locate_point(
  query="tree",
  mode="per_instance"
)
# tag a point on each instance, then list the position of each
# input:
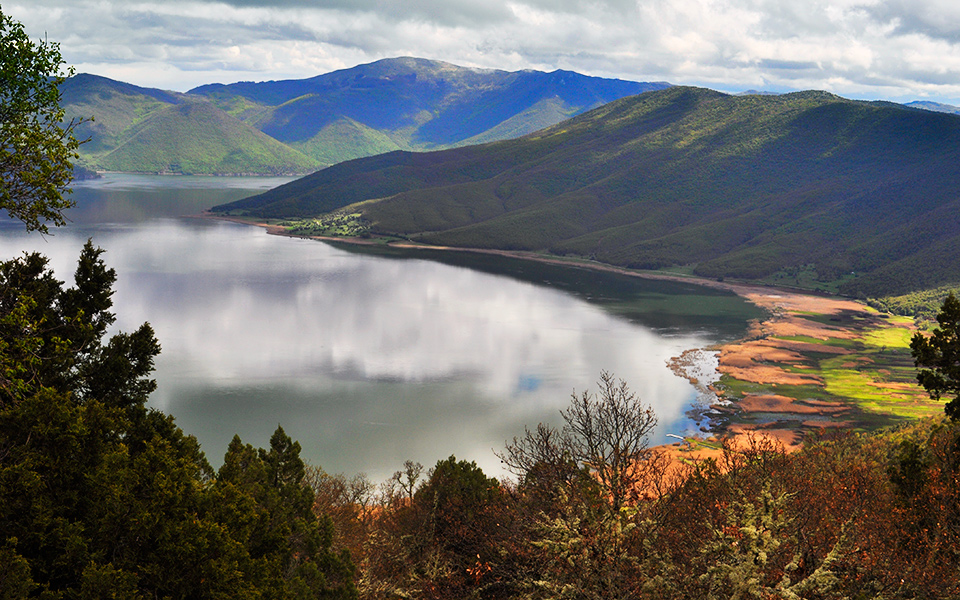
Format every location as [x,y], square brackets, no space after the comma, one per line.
[407,478]
[100,493]
[605,434]
[36,148]
[582,485]
[265,503]
[939,357]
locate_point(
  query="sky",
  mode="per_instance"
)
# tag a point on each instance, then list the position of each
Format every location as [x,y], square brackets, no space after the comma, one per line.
[897,50]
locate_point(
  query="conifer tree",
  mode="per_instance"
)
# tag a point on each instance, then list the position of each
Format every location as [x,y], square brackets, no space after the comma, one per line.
[939,357]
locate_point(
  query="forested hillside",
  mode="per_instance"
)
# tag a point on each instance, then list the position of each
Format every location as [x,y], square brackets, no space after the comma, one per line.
[859,195]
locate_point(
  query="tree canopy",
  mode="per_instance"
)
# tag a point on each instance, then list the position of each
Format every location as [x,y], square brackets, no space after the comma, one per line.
[101,494]
[36,147]
[938,357]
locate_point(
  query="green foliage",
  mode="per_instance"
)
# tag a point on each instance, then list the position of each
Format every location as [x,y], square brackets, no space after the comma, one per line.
[338,224]
[743,544]
[262,497]
[101,496]
[36,149]
[587,553]
[923,304]
[939,357]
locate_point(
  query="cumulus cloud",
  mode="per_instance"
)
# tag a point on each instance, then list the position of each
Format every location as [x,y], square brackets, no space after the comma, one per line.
[896,49]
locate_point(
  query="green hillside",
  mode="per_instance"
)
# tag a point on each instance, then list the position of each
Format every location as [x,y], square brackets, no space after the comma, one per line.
[146,130]
[346,139]
[115,107]
[860,197]
[392,104]
[198,138]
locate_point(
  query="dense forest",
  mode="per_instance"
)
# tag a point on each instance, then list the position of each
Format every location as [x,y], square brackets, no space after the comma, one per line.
[104,497]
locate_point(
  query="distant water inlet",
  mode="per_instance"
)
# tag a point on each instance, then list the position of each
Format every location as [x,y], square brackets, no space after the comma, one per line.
[368,359]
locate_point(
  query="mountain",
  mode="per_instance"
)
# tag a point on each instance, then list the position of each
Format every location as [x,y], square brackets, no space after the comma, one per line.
[934,106]
[861,195]
[146,130]
[413,104]
[297,126]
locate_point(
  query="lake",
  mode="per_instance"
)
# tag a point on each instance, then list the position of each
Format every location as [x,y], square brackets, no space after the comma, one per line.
[370,357]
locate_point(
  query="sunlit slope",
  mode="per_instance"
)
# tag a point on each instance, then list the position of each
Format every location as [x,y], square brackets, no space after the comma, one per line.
[147,130]
[198,138]
[115,108]
[864,195]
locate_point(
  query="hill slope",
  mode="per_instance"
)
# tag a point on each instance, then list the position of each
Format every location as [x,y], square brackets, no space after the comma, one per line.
[415,104]
[863,194]
[147,130]
[198,138]
[392,104]
[934,106]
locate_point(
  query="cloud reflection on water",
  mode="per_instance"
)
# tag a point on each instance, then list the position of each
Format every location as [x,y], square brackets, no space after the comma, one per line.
[366,361]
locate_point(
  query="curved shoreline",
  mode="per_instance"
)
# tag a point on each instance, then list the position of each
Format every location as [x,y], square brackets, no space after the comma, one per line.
[745,359]
[741,289]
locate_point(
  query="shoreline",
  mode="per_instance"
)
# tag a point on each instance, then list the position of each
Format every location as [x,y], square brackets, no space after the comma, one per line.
[758,357]
[741,289]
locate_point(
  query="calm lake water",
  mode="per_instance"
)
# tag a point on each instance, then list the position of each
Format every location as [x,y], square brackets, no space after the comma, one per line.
[370,358]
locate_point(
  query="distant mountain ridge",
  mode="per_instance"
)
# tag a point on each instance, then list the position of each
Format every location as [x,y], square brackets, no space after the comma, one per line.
[297,126]
[934,106]
[862,195]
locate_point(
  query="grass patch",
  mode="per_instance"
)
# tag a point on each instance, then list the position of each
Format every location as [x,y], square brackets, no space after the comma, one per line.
[873,396]
[835,342]
[888,337]
[875,378]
